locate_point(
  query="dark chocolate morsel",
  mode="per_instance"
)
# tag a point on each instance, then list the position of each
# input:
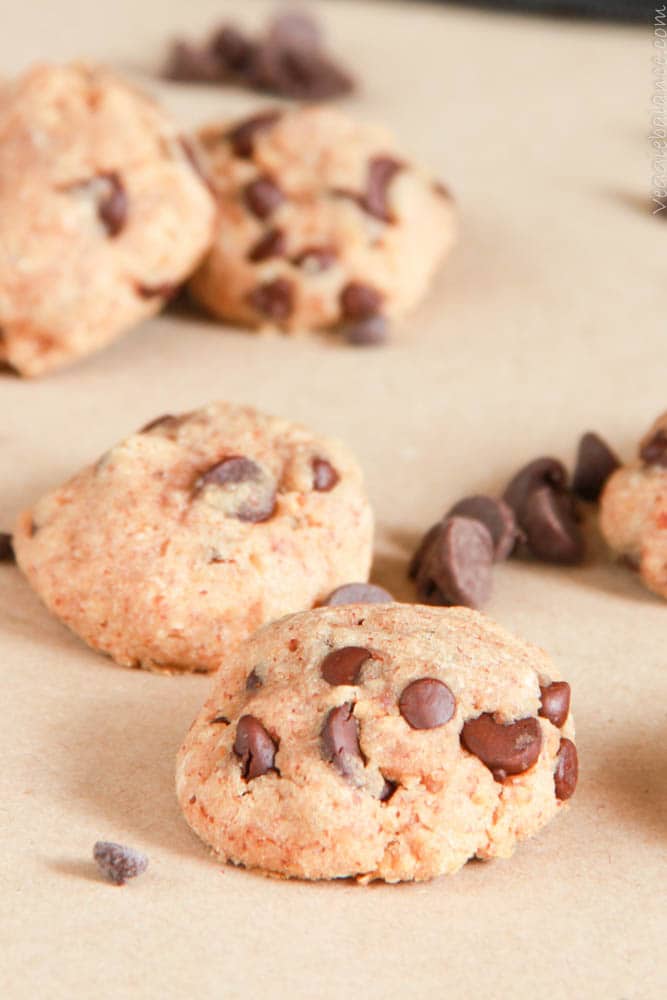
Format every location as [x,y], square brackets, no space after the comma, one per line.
[358,593]
[254,746]
[272,244]
[6,547]
[370,332]
[504,749]
[555,700]
[243,135]
[252,490]
[495,515]
[540,472]
[263,196]
[654,450]
[422,549]
[253,681]
[113,206]
[567,770]
[427,703]
[343,666]
[381,172]
[340,738]
[325,476]
[359,301]
[595,463]
[550,529]
[273,299]
[456,568]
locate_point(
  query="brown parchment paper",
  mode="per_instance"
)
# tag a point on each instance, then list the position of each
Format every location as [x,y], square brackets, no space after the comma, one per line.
[549,320]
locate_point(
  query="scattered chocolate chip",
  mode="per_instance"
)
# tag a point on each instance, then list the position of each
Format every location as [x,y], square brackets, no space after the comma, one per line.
[567,770]
[233,50]
[248,490]
[157,422]
[388,790]
[166,290]
[190,63]
[495,515]
[325,476]
[253,681]
[118,862]
[316,258]
[343,666]
[263,196]
[505,749]
[551,532]
[274,299]
[242,136]
[381,172]
[358,593]
[654,451]
[220,720]
[555,702]
[422,549]
[112,208]
[370,332]
[595,463]
[6,547]
[359,301]
[427,703]
[540,472]
[340,738]
[299,72]
[272,244]
[254,746]
[456,569]
[294,29]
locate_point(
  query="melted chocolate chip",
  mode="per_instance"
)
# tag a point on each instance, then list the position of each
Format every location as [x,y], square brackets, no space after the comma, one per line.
[369,332]
[340,738]
[272,244]
[255,747]
[253,681]
[654,451]
[551,531]
[112,208]
[456,566]
[359,301]
[243,135]
[595,463]
[427,703]
[358,593]
[263,196]
[343,666]
[567,770]
[505,749]
[316,258]
[555,702]
[6,547]
[273,299]
[325,476]
[247,491]
[495,515]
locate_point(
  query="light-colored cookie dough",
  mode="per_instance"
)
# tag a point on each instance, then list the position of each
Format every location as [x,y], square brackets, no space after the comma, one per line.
[321,222]
[189,535]
[102,214]
[323,765]
[633,510]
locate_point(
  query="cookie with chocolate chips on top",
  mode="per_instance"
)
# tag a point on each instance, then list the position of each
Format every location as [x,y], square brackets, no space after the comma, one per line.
[190,534]
[633,510]
[378,741]
[102,214]
[321,224]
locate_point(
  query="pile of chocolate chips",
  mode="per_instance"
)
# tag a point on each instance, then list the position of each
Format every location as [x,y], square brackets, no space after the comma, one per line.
[288,59]
[537,516]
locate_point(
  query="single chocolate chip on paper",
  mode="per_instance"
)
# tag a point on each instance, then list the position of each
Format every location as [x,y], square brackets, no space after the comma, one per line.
[595,463]
[118,862]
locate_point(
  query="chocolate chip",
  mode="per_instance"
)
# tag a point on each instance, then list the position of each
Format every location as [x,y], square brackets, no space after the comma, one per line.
[314,259]
[495,515]
[555,702]
[272,244]
[241,488]
[242,136]
[456,568]
[274,299]
[540,472]
[381,172]
[654,451]
[369,332]
[263,196]
[295,29]
[255,747]
[388,790]
[567,770]
[166,418]
[340,738]
[6,547]
[299,72]
[220,720]
[112,208]
[191,63]
[233,50]
[343,666]
[359,301]
[595,463]
[427,703]
[422,549]
[253,681]
[358,593]
[551,532]
[325,476]
[118,862]
[505,749]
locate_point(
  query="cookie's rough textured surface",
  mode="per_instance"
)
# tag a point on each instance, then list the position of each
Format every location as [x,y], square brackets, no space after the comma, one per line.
[633,509]
[381,777]
[101,213]
[320,222]
[186,537]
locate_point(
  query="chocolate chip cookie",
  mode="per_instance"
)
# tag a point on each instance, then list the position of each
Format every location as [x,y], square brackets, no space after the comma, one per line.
[633,509]
[321,223]
[102,214]
[380,741]
[188,535]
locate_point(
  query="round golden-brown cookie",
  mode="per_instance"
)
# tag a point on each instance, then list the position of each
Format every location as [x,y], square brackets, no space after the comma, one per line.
[321,222]
[633,509]
[188,535]
[102,214]
[386,742]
